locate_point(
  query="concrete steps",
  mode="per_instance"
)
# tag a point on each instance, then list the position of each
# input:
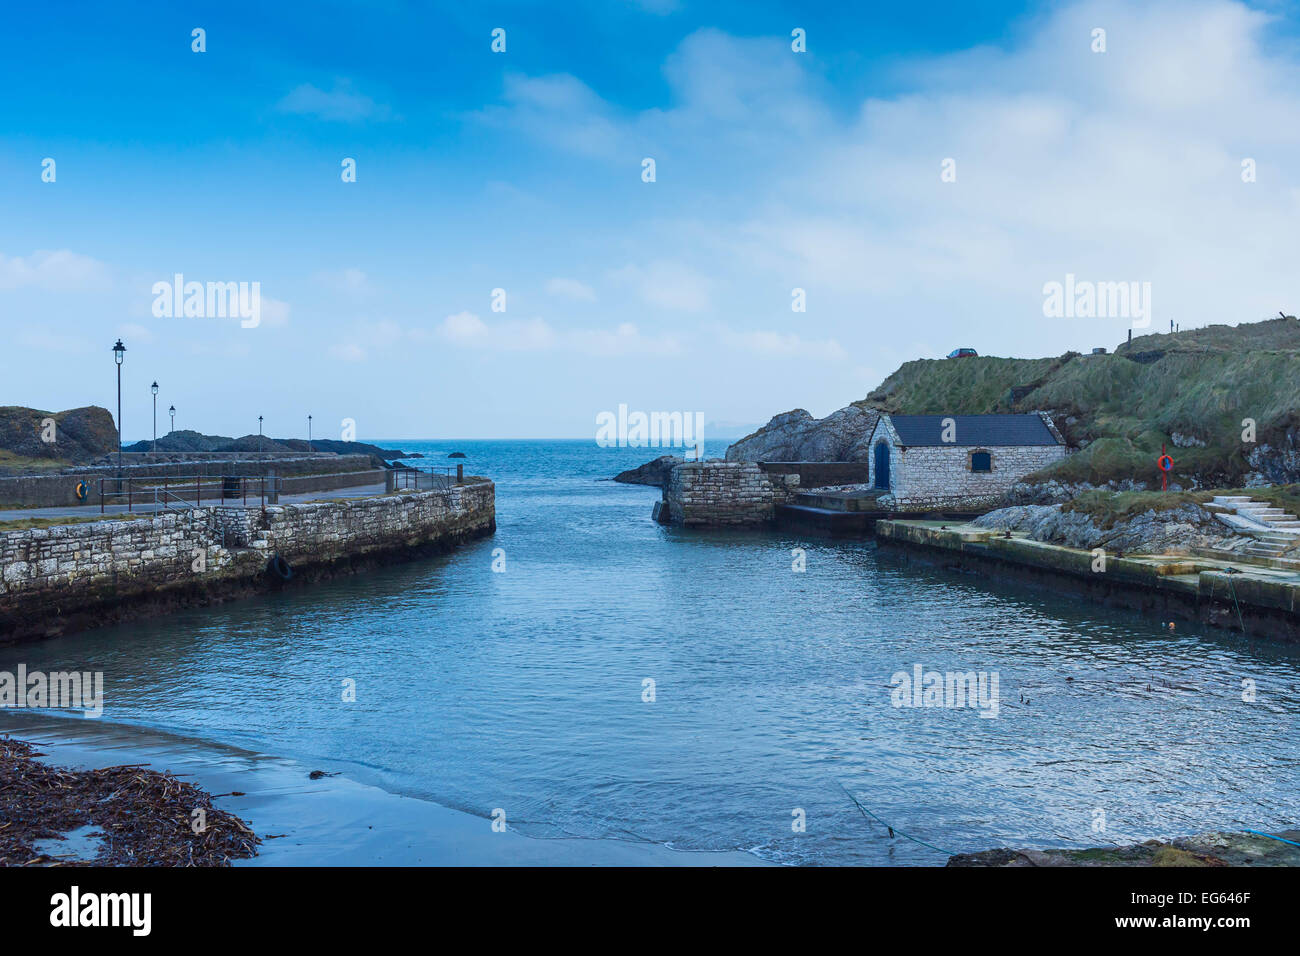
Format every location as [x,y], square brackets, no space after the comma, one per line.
[1276,529]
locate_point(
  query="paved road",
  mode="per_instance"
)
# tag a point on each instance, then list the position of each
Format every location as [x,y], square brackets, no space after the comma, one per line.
[91,510]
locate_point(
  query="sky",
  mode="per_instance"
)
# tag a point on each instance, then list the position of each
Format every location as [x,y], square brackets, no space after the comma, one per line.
[915,176]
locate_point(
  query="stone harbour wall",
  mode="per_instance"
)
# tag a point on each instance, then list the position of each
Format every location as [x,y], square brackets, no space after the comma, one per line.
[59,490]
[60,579]
[714,493]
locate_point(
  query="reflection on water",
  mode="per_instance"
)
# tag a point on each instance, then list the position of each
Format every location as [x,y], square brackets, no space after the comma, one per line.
[524,689]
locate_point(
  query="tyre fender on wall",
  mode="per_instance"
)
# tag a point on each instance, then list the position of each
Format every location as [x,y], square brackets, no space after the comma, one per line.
[278,567]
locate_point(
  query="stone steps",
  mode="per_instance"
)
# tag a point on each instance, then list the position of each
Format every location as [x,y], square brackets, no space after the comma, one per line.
[1281,525]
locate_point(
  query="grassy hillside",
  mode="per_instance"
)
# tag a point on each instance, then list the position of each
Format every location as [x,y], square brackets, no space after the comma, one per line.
[1122,408]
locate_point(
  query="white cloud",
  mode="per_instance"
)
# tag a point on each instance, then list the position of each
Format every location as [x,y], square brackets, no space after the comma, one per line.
[344,280]
[1118,166]
[668,285]
[626,339]
[133,332]
[348,352]
[339,104]
[783,344]
[275,312]
[531,335]
[507,335]
[571,289]
[57,270]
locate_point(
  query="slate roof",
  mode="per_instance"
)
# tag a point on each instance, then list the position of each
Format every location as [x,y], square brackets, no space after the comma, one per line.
[1030,429]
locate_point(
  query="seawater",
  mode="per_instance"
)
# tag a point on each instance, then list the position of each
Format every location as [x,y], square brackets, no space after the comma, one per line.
[526,689]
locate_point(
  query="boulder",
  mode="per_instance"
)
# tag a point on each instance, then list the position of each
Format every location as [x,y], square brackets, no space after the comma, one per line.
[797,436]
[81,434]
[651,473]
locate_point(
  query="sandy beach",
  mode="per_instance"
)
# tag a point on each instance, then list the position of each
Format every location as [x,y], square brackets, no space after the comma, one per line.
[331,821]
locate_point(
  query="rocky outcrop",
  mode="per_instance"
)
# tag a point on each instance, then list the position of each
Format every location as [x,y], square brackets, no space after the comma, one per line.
[651,473]
[1053,492]
[78,435]
[184,440]
[1173,530]
[1276,463]
[1205,849]
[797,436]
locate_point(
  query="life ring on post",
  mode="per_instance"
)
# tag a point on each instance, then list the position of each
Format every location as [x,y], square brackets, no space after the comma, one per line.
[82,491]
[279,567]
[1165,463]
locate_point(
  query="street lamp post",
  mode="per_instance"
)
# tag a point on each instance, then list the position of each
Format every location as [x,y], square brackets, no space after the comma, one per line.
[172,412]
[154,388]
[119,352]
[309,448]
[261,445]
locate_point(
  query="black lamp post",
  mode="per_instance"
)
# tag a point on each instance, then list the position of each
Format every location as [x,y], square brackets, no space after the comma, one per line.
[154,388]
[172,411]
[309,448]
[119,352]
[261,445]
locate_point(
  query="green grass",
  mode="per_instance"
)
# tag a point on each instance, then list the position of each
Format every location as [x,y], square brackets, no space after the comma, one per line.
[1203,384]
[11,464]
[20,524]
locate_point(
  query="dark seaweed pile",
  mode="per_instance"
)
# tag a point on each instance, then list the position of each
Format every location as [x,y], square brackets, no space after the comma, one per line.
[145,815]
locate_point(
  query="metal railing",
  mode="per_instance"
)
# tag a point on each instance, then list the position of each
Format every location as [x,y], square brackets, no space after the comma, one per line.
[424,477]
[170,493]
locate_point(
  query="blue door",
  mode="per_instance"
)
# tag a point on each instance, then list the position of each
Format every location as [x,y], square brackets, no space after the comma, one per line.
[882,466]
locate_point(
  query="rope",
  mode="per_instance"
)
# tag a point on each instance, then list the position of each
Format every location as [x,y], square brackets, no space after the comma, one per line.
[1232,588]
[891,830]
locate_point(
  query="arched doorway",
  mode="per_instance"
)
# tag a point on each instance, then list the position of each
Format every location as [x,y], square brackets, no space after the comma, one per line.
[882,465]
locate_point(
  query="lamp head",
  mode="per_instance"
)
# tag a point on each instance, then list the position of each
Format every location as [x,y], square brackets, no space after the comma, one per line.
[119,350]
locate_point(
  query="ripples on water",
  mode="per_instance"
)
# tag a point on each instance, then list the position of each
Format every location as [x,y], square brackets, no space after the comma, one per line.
[523,690]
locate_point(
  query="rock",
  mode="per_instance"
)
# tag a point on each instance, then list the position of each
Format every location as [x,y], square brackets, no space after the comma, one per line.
[80,434]
[797,436]
[1153,532]
[457,454]
[1203,849]
[651,473]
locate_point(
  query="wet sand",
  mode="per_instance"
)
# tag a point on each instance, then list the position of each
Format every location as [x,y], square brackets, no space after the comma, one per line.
[332,821]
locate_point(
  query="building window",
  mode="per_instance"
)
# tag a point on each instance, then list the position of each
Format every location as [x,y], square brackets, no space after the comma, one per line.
[981,461]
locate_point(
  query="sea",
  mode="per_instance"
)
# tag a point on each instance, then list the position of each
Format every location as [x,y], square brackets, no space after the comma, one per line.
[597,675]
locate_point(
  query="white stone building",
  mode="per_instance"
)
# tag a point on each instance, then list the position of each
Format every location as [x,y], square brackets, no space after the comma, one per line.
[958,462]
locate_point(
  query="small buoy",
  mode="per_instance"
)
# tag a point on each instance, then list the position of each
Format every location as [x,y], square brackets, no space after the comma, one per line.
[1171,625]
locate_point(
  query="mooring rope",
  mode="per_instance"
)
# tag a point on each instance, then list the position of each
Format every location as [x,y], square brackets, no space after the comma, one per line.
[1231,585]
[892,830]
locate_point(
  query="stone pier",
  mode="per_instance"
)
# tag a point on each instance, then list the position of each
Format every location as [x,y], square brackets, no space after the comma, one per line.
[716,493]
[71,577]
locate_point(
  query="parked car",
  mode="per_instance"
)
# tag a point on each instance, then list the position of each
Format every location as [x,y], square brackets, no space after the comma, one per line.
[962,353]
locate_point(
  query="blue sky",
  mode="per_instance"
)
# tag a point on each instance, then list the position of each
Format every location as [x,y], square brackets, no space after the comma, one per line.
[521,171]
